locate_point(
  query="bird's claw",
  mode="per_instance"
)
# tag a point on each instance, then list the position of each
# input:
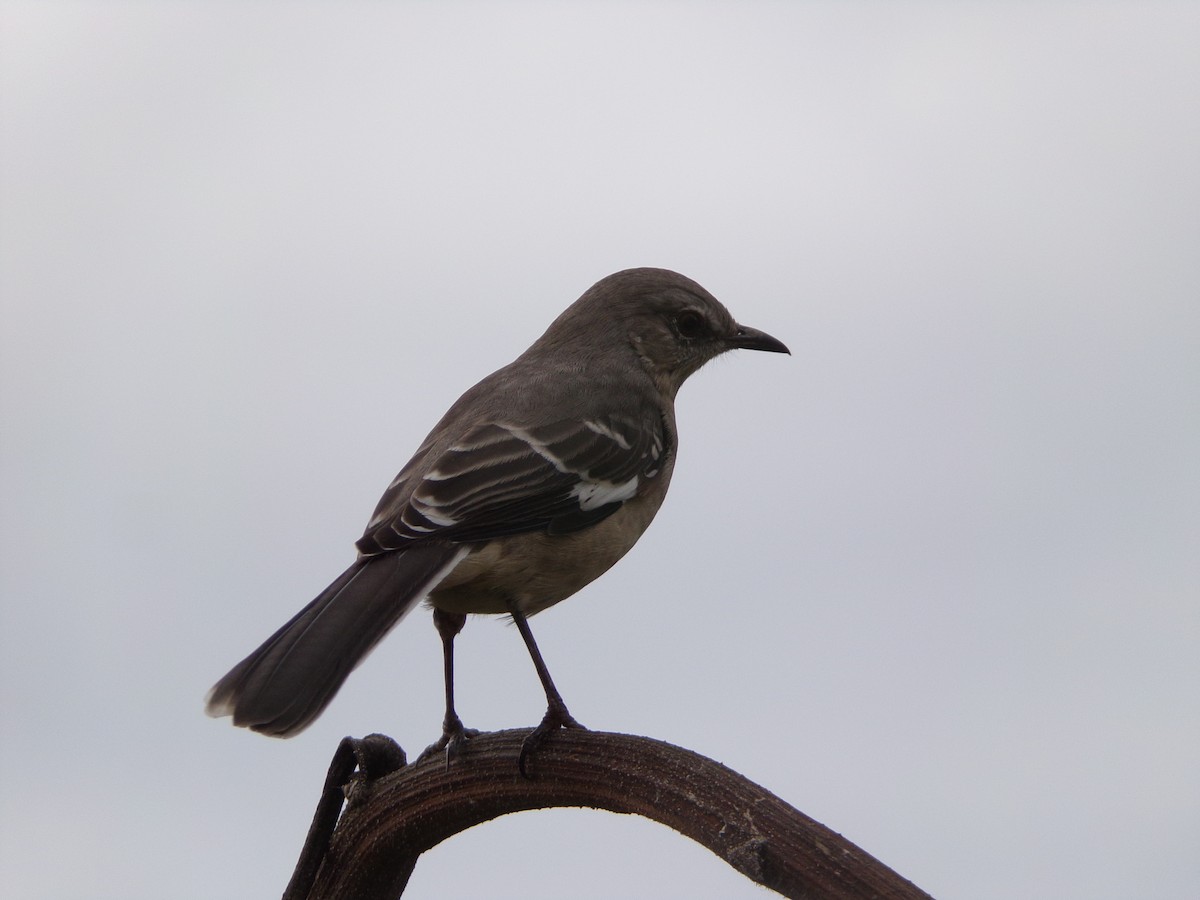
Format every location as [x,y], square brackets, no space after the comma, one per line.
[555,718]
[454,740]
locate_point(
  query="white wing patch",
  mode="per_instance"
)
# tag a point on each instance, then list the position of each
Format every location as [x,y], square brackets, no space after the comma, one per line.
[590,494]
[594,494]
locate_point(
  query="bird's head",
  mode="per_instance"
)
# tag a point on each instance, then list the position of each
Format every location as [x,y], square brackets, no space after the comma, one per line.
[672,324]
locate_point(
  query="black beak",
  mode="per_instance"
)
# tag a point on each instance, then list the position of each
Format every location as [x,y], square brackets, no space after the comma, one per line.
[746,338]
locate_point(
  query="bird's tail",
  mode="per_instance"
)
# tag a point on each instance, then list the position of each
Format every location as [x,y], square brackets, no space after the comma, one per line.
[281,687]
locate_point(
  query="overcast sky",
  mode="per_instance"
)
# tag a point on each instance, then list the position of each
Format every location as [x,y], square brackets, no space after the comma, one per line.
[934,579]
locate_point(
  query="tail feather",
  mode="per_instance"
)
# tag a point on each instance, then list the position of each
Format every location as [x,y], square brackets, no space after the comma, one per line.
[281,687]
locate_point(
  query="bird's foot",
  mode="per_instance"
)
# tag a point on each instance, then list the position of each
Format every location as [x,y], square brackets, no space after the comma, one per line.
[454,740]
[556,717]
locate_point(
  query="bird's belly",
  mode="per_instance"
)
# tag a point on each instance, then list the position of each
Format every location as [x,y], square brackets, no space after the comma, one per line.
[538,570]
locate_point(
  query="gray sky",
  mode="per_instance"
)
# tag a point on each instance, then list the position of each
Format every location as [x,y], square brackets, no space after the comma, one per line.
[934,579]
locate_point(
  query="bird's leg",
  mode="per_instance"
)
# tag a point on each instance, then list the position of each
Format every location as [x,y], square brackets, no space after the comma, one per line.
[557,715]
[454,735]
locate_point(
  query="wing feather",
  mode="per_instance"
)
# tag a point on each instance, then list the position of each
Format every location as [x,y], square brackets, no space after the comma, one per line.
[501,479]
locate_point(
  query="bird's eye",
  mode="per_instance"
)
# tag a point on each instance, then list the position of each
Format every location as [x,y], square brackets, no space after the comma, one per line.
[690,324]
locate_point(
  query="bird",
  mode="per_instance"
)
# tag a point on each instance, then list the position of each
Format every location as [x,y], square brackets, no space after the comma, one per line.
[534,483]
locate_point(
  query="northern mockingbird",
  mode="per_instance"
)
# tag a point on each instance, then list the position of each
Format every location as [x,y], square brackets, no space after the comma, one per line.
[533,484]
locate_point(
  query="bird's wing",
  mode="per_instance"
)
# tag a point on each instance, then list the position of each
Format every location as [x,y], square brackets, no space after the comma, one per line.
[502,479]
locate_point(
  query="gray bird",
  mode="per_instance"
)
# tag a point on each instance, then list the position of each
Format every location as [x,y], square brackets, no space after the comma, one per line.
[532,485]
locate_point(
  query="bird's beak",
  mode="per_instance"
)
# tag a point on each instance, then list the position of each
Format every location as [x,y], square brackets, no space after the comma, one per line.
[746,338]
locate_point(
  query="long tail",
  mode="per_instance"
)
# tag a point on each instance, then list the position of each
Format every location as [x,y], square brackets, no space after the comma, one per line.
[281,687]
